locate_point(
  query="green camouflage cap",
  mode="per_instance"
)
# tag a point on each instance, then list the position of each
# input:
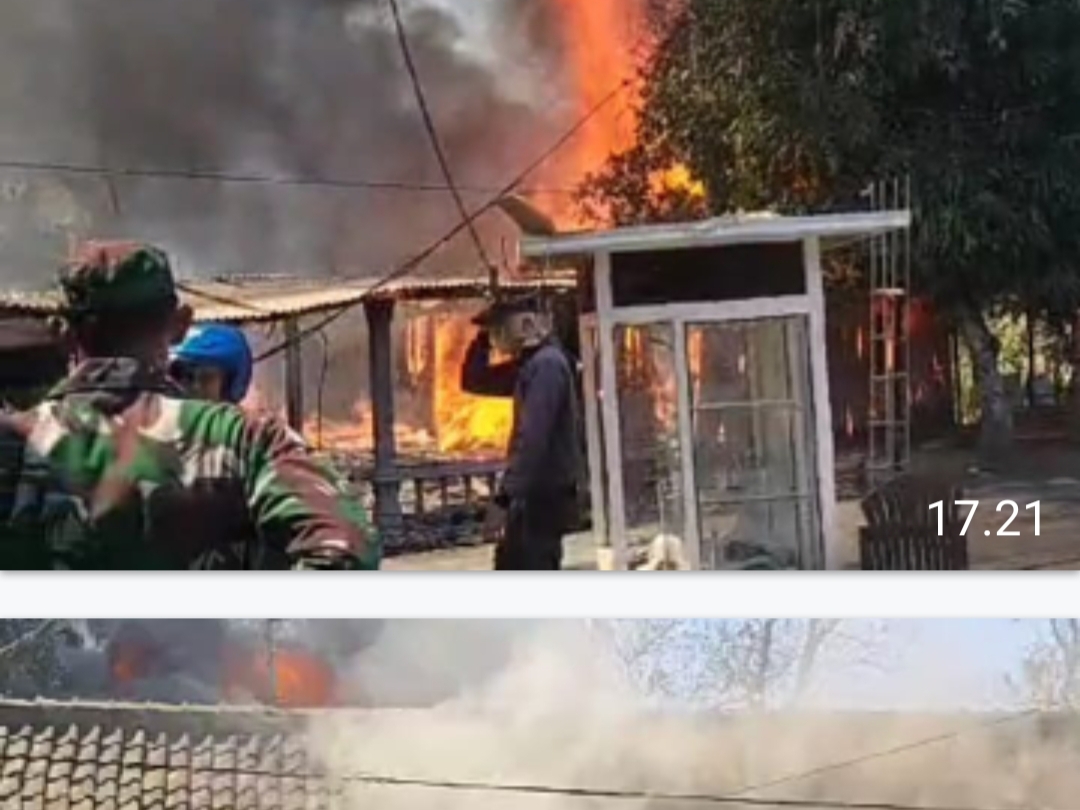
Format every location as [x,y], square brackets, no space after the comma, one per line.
[110,277]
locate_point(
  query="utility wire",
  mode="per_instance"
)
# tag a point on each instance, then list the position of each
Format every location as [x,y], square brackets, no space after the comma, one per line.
[434,247]
[644,795]
[27,637]
[903,748]
[432,133]
[736,798]
[215,176]
[553,790]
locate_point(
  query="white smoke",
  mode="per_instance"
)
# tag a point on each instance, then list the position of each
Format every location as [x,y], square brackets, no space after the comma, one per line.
[561,713]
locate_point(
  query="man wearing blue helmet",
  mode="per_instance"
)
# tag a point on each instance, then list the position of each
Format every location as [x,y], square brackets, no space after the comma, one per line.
[214,363]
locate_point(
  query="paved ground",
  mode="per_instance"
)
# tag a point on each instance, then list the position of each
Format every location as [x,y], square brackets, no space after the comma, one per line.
[1044,471]
[579,552]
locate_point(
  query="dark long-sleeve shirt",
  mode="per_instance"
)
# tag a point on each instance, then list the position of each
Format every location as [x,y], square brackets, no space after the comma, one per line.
[544,453]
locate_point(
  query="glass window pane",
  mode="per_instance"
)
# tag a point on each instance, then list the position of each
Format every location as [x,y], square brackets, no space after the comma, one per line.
[754,533]
[753,452]
[648,423]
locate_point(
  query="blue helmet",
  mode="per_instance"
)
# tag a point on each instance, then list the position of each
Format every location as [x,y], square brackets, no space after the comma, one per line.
[221,347]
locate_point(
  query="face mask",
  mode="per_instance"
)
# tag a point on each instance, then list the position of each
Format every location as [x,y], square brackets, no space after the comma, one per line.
[201,382]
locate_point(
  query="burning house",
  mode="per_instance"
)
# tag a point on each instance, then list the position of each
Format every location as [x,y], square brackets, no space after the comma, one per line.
[424,454]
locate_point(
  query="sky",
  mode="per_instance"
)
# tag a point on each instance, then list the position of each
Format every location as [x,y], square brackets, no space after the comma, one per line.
[935,664]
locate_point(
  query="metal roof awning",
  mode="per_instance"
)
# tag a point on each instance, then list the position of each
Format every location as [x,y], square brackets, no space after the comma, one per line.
[727,230]
[252,300]
[22,334]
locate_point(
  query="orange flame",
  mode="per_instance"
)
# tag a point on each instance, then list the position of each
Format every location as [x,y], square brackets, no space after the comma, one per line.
[606,42]
[678,179]
[601,38]
[130,661]
[464,423]
[460,423]
[300,680]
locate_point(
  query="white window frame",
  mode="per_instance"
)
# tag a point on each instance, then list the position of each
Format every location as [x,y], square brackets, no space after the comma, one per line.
[609,512]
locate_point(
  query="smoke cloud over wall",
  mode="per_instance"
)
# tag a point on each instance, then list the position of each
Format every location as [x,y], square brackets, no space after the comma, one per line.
[560,712]
[268,87]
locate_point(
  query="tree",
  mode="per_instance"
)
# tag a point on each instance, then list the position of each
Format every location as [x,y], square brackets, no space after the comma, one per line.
[1049,677]
[755,664]
[798,105]
[30,659]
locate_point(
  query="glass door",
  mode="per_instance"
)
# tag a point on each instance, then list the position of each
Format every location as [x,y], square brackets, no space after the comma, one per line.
[754,458]
[651,461]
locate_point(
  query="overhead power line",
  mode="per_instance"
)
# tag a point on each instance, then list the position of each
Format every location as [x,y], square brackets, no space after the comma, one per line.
[432,133]
[645,795]
[740,796]
[414,262]
[226,177]
[903,748]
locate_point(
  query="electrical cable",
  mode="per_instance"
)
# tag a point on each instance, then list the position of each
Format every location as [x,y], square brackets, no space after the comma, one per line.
[889,752]
[432,133]
[435,246]
[224,177]
[645,795]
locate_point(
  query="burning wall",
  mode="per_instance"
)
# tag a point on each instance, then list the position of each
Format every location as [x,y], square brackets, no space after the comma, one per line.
[433,414]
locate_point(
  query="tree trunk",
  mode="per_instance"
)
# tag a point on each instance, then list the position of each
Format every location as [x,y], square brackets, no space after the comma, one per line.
[1031,358]
[1073,396]
[995,437]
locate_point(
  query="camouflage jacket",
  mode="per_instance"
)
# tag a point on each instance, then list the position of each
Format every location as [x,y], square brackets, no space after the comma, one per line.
[118,471]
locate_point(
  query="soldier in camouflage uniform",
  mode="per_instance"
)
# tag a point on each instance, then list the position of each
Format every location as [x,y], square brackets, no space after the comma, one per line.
[122,472]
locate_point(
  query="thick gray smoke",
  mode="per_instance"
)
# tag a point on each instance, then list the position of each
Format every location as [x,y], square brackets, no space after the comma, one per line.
[311,88]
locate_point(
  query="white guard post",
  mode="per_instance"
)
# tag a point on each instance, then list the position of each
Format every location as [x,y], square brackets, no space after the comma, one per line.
[707,385]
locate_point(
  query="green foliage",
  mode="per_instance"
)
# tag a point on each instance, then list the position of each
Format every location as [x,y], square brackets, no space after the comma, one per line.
[797,105]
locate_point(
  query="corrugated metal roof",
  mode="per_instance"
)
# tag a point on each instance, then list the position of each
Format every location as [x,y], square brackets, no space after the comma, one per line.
[726,230]
[268,298]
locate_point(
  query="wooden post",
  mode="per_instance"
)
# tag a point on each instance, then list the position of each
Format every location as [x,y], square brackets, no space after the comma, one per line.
[294,377]
[388,518]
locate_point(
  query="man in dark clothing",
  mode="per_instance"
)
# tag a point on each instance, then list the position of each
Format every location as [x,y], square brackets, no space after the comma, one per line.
[539,488]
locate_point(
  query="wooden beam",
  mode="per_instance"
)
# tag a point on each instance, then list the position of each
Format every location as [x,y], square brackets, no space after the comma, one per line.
[387,482]
[294,376]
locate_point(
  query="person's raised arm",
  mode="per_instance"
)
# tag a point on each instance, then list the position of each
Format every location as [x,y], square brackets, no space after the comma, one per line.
[480,377]
[302,507]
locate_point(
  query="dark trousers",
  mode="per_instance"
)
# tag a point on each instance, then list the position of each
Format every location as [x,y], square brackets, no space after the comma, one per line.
[533,538]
